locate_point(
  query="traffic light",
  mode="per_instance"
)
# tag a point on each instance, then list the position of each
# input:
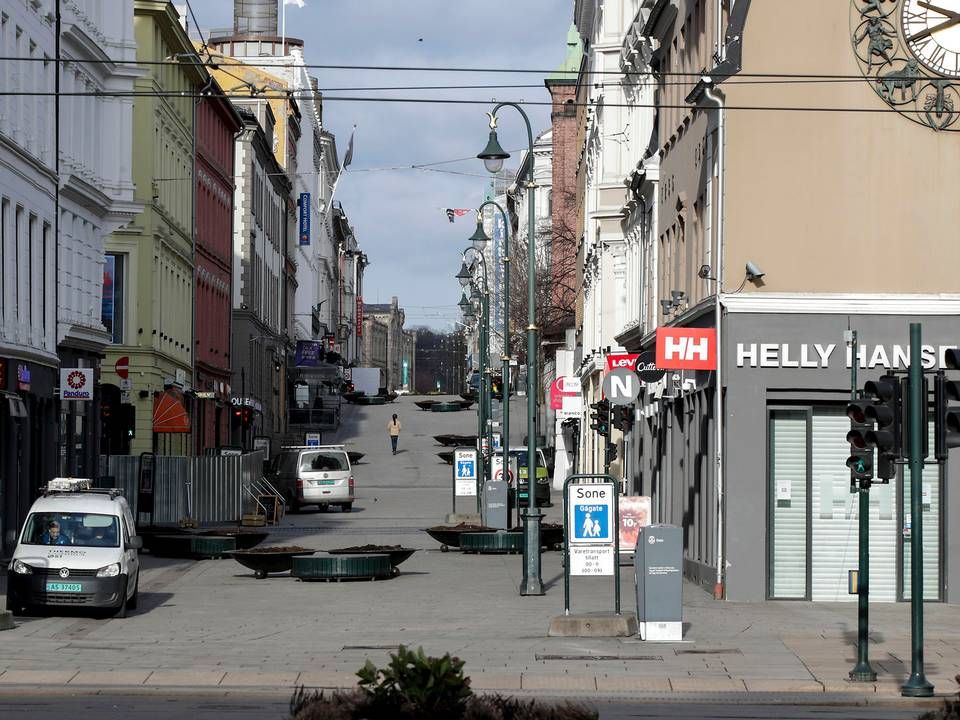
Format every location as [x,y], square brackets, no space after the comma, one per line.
[600,417]
[624,418]
[611,453]
[860,461]
[946,424]
[887,412]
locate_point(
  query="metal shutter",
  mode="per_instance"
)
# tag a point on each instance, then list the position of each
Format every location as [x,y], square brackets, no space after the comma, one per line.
[835,518]
[788,501]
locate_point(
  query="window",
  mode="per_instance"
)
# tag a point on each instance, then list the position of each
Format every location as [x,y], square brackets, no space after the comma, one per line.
[111,314]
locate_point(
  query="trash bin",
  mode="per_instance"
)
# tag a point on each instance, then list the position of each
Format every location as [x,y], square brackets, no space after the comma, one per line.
[658,563]
[495,505]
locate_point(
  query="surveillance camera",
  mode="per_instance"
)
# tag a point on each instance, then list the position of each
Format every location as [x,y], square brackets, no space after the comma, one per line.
[753,272]
[676,380]
[704,272]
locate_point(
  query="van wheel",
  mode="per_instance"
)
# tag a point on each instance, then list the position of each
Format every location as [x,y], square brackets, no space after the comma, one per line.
[346,507]
[121,611]
[135,598]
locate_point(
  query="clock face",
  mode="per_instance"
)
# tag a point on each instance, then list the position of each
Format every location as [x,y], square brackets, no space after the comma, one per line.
[932,32]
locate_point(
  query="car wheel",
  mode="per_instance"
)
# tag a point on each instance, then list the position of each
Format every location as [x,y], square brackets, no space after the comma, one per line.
[346,507]
[121,611]
[323,507]
[135,598]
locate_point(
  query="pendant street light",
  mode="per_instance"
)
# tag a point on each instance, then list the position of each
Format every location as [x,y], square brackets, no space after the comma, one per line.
[493,156]
[464,276]
[465,305]
[505,357]
[479,239]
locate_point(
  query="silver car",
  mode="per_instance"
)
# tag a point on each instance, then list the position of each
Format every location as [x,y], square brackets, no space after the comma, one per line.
[320,476]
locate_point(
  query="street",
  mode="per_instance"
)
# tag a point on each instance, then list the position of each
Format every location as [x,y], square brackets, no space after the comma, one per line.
[211,627]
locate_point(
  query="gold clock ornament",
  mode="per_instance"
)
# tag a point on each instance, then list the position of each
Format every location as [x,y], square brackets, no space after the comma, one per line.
[909,50]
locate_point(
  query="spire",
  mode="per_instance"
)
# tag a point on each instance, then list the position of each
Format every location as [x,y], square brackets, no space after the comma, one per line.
[571,64]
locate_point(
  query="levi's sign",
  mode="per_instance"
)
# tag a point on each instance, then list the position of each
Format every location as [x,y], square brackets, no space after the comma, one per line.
[625,361]
[687,348]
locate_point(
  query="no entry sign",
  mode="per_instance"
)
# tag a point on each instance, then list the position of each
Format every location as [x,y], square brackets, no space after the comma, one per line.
[122,367]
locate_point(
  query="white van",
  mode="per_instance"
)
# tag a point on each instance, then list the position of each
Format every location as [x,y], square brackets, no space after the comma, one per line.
[318,475]
[78,548]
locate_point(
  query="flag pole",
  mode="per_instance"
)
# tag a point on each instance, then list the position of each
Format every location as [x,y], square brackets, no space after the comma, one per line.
[283,31]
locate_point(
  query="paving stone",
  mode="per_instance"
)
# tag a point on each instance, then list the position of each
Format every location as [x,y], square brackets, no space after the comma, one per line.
[260,679]
[495,681]
[537,681]
[185,678]
[706,684]
[37,677]
[116,678]
[632,683]
[327,679]
[784,685]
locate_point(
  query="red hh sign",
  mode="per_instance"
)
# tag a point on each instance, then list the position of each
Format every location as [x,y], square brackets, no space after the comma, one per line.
[122,367]
[626,361]
[359,316]
[687,348]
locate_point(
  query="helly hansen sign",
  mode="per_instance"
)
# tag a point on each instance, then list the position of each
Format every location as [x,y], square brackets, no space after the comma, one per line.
[687,348]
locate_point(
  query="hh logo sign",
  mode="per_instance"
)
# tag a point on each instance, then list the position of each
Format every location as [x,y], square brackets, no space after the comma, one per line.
[687,348]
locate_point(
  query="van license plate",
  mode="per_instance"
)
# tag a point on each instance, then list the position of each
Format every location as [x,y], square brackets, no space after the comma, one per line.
[64,587]
[324,482]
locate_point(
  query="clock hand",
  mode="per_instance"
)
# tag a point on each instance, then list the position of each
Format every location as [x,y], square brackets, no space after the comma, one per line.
[942,11]
[955,20]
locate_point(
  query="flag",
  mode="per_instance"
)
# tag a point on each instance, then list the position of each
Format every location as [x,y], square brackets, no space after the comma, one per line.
[348,158]
[457,212]
[298,3]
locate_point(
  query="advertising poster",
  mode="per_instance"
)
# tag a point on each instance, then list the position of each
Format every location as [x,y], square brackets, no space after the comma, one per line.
[634,514]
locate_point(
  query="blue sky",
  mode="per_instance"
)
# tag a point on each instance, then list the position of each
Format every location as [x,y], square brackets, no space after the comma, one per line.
[413,249]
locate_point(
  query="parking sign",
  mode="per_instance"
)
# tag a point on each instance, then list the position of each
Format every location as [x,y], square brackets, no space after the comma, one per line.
[465,472]
[591,514]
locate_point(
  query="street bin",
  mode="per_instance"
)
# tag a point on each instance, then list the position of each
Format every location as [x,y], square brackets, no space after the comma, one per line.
[658,563]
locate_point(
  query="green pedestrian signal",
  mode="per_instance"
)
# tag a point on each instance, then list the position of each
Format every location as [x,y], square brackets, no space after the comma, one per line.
[860,461]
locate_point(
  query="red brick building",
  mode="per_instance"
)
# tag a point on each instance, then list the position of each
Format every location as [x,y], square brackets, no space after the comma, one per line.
[217,125]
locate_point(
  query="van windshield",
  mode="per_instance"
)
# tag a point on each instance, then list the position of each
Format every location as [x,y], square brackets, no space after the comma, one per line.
[75,529]
[320,460]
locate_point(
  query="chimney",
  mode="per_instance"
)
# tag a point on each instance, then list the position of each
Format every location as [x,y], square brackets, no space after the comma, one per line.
[255,17]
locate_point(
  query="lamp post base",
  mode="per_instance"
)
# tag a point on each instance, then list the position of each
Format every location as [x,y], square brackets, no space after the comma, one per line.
[531,584]
[862,672]
[917,686]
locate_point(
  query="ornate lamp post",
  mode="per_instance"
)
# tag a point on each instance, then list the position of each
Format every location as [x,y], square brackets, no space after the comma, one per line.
[479,240]
[481,295]
[493,156]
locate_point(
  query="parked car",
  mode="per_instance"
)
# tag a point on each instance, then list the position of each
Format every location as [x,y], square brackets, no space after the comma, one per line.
[314,475]
[519,488]
[78,548]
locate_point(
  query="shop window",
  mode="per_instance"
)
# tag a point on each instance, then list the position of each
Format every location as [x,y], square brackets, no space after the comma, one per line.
[114,277]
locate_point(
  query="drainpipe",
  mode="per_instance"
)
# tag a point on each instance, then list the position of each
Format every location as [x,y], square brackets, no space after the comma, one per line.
[717,99]
[197,434]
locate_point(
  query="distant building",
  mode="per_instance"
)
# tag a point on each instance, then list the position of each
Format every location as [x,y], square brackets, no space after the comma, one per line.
[375,334]
[393,317]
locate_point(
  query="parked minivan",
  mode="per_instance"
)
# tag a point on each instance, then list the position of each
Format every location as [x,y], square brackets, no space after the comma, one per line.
[314,475]
[77,548]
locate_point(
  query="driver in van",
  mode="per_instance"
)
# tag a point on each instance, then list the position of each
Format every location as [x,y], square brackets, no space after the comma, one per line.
[53,536]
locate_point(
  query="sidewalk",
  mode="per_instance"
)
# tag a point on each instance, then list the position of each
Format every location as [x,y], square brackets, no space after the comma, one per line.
[211,627]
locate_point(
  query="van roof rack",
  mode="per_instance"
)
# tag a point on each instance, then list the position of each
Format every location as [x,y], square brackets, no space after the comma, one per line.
[309,447]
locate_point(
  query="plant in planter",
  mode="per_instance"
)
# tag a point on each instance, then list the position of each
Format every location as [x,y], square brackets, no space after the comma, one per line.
[414,686]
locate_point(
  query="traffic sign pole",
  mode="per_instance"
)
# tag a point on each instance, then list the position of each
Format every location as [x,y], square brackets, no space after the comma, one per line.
[615,530]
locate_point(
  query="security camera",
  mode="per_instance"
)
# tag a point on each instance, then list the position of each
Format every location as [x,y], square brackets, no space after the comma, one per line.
[676,381]
[753,272]
[704,272]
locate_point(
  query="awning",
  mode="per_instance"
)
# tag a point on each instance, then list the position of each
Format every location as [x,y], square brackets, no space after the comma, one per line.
[169,413]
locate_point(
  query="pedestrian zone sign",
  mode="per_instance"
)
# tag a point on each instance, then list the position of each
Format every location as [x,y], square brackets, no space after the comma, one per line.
[591,514]
[465,472]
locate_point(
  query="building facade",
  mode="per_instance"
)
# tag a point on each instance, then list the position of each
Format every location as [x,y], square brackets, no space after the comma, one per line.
[375,336]
[392,316]
[217,125]
[259,242]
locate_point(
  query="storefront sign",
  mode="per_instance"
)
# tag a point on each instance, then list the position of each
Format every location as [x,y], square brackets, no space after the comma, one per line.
[307,354]
[820,355]
[205,395]
[76,383]
[646,367]
[627,361]
[247,402]
[564,386]
[359,316]
[686,348]
[23,377]
[304,219]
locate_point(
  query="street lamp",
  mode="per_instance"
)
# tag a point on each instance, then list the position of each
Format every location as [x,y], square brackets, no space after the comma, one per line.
[482,295]
[493,156]
[480,238]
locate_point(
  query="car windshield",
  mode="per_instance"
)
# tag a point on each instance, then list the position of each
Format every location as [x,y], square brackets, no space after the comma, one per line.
[320,460]
[521,456]
[70,528]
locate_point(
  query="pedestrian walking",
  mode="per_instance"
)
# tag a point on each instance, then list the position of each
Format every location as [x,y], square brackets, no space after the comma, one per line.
[393,427]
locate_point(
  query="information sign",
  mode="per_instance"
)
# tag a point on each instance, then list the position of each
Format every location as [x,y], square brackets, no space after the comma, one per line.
[312,439]
[591,514]
[591,560]
[465,472]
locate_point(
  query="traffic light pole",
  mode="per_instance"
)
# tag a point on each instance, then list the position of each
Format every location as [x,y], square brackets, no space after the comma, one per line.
[606,442]
[917,685]
[862,671]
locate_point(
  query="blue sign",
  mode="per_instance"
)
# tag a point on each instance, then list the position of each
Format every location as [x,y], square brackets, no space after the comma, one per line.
[307,353]
[304,219]
[592,522]
[466,469]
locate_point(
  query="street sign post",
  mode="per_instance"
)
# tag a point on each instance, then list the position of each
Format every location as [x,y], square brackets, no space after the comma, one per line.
[465,474]
[312,439]
[122,366]
[591,538]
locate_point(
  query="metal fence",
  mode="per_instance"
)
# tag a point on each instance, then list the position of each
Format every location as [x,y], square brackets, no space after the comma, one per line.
[210,489]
